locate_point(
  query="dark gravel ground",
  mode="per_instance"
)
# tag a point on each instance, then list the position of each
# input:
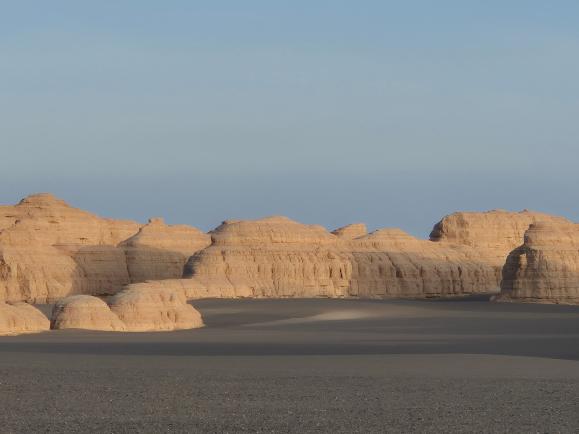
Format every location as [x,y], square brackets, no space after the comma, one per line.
[305,366]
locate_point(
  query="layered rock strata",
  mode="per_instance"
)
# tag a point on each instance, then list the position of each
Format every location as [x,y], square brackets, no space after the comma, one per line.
[19,318]
[546,267]
[277,257]
[493,234]
[144,309]
[49,250]
[159,251]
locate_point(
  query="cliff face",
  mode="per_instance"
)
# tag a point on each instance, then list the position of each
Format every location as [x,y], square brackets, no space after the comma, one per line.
[272,257]
[390,262]
[49,250]
[277,257]
[546,267]
[494,234]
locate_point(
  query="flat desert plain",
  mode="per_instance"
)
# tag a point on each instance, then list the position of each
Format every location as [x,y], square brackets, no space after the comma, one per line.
[305,366]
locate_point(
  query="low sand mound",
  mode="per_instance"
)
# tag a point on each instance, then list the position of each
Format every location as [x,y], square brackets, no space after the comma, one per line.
[155,309]
[84,312]
[19,318]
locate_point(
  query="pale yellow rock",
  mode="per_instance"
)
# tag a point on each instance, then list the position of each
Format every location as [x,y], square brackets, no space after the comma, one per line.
[84,312]
[159,251]
[19,318]
[349,232]
[145,308]
[546,267]
[493,233]
[392,263]
[49,249]
[277,257]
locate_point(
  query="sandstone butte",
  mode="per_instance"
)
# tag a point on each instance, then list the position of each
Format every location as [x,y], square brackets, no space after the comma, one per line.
[493,234]
[133,310]
[49,250]
[546,267]
[277,257]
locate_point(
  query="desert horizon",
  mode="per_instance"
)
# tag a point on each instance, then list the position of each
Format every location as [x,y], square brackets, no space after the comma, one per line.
[289,217]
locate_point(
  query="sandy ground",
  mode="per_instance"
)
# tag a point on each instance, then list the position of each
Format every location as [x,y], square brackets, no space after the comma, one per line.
[305,366]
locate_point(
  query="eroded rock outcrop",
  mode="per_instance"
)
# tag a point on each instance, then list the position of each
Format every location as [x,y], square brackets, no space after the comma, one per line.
[49,249]
[494,234]
[19,318]
[143,308]
[392,263]
[159,251]
[84,312]
[278,257]
[546,267]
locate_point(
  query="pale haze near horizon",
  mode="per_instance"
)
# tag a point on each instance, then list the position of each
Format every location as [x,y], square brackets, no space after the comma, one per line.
[329,112]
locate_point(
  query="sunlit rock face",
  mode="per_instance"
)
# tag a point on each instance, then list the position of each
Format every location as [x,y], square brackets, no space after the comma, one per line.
[49,250]
[278,257]
[546,267]
[494,234]
[20,318]
[134,309]
[84,312]
[144,309]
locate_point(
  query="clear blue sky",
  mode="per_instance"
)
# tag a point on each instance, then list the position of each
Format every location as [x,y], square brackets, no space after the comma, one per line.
[391,113]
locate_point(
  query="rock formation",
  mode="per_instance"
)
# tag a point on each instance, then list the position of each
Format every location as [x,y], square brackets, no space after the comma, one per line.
[143,308]
[19,318]
[546,267]
[49,250]
[277,257]
[493,233]
[159,251]
[392,263]
[84,312]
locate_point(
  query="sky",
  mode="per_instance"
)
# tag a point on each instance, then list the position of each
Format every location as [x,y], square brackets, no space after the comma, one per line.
[385,112]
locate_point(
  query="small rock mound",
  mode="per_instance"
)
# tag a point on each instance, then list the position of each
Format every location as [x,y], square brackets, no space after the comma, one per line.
[85,312]
[155,309]
[20,318]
